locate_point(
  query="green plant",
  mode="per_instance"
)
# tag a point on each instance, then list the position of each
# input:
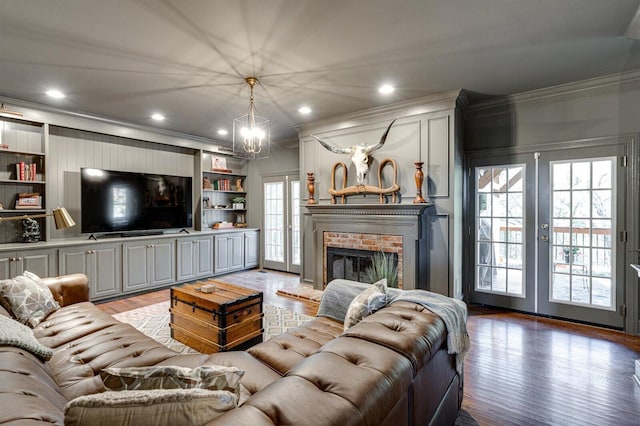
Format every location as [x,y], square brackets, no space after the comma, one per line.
[238,200]
[383,265]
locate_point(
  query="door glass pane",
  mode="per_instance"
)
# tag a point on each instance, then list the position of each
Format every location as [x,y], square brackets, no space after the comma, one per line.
[274,221]
[500,229]
[581,251]
[295,222]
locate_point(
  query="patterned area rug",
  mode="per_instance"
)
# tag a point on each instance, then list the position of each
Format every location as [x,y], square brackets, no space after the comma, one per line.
[153,320]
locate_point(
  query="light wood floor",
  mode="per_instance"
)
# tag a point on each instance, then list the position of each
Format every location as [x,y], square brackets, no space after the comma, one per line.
[521,370]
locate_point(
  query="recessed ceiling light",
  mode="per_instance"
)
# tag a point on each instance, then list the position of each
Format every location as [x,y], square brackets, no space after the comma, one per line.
[223,132]
[55,94]
[385,89]
[158,117]
[304,110]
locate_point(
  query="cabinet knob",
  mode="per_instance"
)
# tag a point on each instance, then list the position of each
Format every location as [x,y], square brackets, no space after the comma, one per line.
[19,258]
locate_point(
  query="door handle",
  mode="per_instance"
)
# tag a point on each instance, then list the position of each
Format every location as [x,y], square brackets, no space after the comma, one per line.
[544,238]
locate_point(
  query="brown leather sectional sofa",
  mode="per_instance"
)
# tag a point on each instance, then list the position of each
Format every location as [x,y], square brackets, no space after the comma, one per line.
[390,369]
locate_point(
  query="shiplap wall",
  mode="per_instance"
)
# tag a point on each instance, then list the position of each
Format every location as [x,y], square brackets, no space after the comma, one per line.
[70,150]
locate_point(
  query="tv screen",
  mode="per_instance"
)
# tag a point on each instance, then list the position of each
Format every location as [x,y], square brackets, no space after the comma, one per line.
[113,201]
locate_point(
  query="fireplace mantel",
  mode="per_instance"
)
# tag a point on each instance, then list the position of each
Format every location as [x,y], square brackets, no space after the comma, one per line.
[406,220]
[369,209]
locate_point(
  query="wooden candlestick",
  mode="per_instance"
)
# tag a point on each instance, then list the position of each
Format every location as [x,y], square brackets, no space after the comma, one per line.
[419,179]
[311,187]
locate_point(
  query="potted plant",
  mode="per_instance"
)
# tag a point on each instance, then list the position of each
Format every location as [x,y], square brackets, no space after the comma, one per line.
[238,202]
[570,254]
[383,265]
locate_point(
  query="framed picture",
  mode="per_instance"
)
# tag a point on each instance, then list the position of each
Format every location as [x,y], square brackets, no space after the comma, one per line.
[28,200]
[219,164]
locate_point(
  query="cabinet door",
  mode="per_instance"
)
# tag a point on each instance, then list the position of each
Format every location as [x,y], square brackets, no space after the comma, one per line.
[5,265]
[105,279]
[251,249]
[187,249]
[221,254]
[135,266]
[236,251]
[204,256]
[163,263]
[41,262]
[74,260]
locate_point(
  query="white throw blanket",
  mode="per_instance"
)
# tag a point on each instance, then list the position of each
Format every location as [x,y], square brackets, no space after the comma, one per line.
[452,311]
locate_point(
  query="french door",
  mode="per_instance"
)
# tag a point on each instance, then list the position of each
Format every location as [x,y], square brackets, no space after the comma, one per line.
[282,234]
[549,235]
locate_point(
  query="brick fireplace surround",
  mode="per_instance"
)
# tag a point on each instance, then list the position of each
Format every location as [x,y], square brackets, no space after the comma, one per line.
[396,228]
[368,242]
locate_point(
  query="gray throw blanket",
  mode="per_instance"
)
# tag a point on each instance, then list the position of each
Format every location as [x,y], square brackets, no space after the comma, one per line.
[452,311]
[339,293]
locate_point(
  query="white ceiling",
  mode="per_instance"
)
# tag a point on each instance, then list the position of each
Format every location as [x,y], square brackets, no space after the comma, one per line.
[188,59]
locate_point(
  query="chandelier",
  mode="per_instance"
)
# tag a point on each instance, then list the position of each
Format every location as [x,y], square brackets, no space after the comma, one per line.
[251,132]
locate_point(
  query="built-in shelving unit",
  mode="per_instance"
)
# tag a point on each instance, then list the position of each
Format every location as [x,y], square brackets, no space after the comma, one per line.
[219,188]
[22,142]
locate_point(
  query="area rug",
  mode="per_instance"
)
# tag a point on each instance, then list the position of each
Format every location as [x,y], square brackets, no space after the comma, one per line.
[301,292]
[153,320]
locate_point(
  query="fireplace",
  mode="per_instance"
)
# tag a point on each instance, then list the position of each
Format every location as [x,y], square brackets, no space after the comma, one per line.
[400,229]
[351,264]
[360,247]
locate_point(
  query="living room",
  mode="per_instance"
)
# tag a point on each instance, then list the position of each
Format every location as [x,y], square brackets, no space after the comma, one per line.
[509,118]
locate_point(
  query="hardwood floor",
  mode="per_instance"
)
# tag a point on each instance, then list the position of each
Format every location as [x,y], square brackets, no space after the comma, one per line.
[268,282]
[521,370]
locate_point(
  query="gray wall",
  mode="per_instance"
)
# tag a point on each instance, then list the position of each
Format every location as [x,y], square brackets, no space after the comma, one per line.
[281,160]
[70,150]
[425,131]
[603,107]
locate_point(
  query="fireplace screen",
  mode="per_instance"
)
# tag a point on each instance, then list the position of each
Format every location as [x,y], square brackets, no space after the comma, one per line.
[351,264]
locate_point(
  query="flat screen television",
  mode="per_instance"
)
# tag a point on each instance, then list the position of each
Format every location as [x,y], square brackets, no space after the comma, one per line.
[114,201]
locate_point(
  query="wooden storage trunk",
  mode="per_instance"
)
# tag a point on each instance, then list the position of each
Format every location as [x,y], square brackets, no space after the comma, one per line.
[230,317]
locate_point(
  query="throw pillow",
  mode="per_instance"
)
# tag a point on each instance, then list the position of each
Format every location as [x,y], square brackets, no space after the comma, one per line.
[366,303]
[211,377]
[152,407]
[29,298]
[12,333]
[337,296]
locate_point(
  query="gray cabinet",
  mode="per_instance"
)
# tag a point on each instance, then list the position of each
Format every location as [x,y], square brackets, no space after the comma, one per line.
[195,257]
[41,262]
[101,263]
[251,249]
[229,252]
[148,264]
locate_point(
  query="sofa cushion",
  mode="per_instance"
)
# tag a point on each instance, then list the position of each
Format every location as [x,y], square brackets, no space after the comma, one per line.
[367,302]
[28,393]
[211,377]
[286,350]
[29,299]
[149,407]
[86,340]
[12,333]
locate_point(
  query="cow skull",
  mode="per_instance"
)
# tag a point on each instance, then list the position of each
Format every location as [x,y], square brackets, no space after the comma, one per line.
[359,154]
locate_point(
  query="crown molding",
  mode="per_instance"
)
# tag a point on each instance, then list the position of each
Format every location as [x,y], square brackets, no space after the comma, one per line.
[574,88]
[423,105]
[55,116]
